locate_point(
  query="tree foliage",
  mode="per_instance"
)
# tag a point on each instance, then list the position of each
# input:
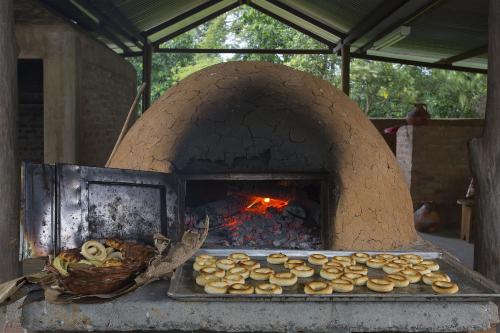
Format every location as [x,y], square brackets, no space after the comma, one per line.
[380,89]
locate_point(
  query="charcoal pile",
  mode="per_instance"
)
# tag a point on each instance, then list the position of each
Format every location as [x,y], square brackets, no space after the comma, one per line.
[234,224]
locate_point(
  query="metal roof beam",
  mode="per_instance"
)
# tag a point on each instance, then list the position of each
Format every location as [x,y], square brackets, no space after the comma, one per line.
[71,11]
[291,24]
[305,17]
[465,55]
[427,6]
[419,63]
[180,17]
[244,51]
[196,23]
[113,14]
[105,21]
[369,22]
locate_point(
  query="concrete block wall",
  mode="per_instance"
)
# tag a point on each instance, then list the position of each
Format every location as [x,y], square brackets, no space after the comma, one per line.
[87,88]
[435,161]
[106,88]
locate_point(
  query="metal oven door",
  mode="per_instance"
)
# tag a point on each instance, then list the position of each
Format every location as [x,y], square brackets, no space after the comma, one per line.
[64,205]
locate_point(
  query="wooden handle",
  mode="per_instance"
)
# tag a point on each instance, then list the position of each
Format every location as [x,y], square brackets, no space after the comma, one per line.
[126,124]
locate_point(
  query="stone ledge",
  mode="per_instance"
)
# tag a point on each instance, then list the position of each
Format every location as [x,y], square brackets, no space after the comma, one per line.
[149,309]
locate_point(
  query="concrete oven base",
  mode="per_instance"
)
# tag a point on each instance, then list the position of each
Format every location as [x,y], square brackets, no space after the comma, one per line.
[149,309]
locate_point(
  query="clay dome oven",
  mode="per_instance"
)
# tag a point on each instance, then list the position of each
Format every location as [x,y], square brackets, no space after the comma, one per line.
[259,118]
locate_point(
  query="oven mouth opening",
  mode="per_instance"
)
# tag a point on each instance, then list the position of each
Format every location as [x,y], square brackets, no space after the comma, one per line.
[258,211]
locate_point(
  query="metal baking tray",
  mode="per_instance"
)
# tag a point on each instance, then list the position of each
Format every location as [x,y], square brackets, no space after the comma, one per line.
[473,286]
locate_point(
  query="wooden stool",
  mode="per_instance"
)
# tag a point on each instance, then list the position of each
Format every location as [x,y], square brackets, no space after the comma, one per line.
[466,221]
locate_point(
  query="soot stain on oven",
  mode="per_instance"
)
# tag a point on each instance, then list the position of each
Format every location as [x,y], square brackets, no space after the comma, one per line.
[253,129]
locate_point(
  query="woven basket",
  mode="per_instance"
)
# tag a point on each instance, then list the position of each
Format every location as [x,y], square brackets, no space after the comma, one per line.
[91,280]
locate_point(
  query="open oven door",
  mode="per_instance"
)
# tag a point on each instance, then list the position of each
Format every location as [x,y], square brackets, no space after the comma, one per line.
[64,205]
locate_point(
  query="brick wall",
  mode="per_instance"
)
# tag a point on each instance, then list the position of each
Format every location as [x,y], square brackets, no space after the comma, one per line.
[383,123]
[106,88]
[435,161]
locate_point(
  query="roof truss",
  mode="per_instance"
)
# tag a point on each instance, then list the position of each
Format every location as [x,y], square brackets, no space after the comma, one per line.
[102,17]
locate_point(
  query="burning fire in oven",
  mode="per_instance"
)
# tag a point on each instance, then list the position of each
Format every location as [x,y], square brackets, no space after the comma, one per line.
[261,204]
[260,221]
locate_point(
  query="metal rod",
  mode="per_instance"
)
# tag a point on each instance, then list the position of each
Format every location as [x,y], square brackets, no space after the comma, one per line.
[291,24]
[405,20]
[196,23]
[465,55]
[369,22]
[307,18]
[244,51]
[147,60]
[419,63]
[180,17]
[346,69]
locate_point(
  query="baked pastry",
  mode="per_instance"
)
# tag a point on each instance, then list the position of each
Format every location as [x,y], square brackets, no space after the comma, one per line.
[277,258]
[385,256]
[303,271]
[113,262]
[283,279]
[342,285]
[93,250]
[203,279]
[331,273]
[375,262]
[225,264]
[432,265]
[412,275]
[432,277]
[445,287]
[115,243]
[238,256]
[356,269]
[204,257]
[239,270]
[344,260]
[318,288]
[216,287]
[268,289]
[380,285]
[401,262]
[198,265]
[333,264]
[233,278]
[291,263]
[391,268]
[421,269]
[218,272]
[261,273]
[240,289]
[317,259]
[249,264]
[399,280]
[360,257]
[411,258]
[355,278]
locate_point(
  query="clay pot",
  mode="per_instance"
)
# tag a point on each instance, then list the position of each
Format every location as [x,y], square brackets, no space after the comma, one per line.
[419,116]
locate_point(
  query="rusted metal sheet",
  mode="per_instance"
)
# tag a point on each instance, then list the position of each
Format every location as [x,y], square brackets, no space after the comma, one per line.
[68,204]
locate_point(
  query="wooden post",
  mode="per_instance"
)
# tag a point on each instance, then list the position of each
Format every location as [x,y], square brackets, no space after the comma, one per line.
[9,170]
[147,63]
[485,162]
[346,69]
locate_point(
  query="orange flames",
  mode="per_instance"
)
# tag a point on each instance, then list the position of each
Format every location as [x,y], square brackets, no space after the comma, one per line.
[261,204]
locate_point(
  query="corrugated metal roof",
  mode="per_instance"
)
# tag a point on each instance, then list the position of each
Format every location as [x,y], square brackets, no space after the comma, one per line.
[439,28]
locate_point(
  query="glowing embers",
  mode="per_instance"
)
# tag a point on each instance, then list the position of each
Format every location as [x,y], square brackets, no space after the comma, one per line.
[262,204]
[256,214]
